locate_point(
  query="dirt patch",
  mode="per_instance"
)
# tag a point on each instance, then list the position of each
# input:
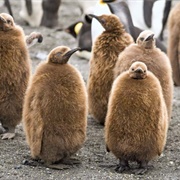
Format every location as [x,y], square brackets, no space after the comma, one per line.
[96,163]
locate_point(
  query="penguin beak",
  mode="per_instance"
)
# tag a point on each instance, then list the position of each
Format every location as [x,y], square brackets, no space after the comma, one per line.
[94,16]
[138,70]
[108,1]
[149,37]
[69,53]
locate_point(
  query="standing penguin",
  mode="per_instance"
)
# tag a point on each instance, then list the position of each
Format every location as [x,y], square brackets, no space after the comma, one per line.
[174,42]
[40,12]
[104,56]
[156,61]
[81,31]
[55,109]
[15,72]
[137,121]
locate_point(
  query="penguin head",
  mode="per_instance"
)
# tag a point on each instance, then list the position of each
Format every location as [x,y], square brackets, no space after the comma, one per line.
[61,54]
[138,70]
[73,29]
[109,22]
[6,22]
[146,39]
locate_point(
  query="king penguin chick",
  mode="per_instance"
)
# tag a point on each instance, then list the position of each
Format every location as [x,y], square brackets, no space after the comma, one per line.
[14,76]
[157,62]
[173,50]
[105,52]
[55,109]
[137,121]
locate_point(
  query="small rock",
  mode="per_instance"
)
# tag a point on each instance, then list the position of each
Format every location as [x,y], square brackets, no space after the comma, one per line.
[25,162]
[18,167]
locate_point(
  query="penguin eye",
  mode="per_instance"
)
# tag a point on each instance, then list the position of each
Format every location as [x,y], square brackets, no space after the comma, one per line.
[103,21]
[141,38]
[8,21]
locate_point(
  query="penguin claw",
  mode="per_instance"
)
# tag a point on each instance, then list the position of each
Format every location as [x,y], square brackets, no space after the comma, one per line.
[140,171]
[8,136]
[71,161]
[121,168]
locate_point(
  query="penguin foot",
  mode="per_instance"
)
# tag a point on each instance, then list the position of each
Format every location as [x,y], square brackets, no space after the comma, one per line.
[140,171]
[122,166]
[8,135]
[143,168]
[63,164]
[71,161]
[33,162]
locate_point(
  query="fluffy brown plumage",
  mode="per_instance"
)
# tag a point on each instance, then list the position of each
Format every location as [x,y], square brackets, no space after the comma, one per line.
[104,56]
[137,121]
[173,49]
[55,108]
[156,60]
[14,76]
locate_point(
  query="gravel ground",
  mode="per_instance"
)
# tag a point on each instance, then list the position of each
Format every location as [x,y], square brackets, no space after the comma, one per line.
[96,163]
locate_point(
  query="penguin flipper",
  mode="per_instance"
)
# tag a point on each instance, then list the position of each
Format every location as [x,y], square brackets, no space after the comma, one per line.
[33,124]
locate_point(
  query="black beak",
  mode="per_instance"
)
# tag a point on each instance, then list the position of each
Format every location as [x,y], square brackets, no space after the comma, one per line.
[108,1]
[72,51]
[94,16]
[149,37]
[66,57]
[138,70]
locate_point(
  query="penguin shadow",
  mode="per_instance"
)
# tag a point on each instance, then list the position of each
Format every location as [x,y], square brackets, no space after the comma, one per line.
[63,164]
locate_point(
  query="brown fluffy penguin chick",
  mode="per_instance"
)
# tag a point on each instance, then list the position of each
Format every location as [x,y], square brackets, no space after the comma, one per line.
[156,60]
[137,121]
[14,76]
[105,52]
[55,109]
[173,49]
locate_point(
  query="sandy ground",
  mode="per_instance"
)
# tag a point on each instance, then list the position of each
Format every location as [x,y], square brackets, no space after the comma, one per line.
[96,163]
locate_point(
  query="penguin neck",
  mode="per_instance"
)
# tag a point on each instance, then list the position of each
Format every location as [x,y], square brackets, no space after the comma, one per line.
[117,30]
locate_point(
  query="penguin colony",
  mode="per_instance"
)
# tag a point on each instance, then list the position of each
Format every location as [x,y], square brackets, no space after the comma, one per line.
[55,107]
